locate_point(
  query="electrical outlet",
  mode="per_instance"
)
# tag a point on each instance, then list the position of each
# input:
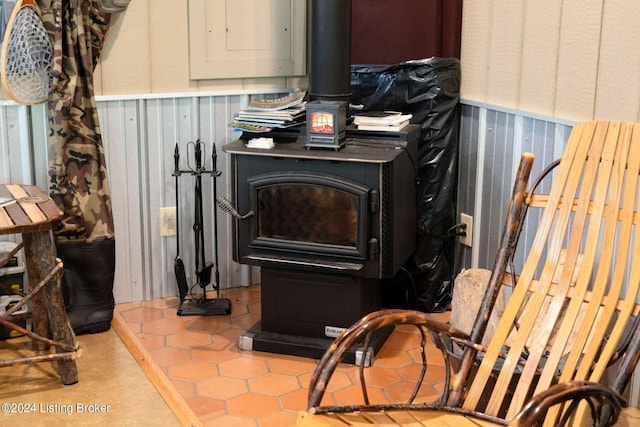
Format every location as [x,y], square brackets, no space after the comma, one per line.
[168,223]
[467,238]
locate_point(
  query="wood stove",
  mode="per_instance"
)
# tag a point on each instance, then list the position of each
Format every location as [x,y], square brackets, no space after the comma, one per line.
[326,227]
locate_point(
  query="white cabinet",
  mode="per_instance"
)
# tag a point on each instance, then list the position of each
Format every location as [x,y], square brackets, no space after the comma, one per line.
[247,38]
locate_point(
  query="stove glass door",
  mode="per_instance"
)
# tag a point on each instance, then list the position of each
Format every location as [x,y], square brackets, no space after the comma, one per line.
[309,212]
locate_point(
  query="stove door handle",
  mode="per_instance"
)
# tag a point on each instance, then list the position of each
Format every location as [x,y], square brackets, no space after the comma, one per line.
[226,206]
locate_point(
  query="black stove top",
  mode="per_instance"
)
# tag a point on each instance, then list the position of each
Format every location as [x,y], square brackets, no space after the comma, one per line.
[371,147]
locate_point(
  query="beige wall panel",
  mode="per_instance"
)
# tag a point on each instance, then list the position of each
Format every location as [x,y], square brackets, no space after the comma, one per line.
[474,54]
[505,52]
[540,56]
[618,86]
[578,59]
[125,62]
[169,25]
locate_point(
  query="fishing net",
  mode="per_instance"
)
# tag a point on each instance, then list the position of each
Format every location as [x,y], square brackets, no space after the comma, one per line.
[26,57]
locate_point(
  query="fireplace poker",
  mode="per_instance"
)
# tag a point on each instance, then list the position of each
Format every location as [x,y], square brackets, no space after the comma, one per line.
[215,173]
[204,274]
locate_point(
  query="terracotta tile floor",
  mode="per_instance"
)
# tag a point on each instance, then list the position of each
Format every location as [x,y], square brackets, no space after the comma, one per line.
[225,386]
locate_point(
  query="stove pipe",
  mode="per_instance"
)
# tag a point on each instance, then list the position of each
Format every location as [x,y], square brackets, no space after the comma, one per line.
[330,75]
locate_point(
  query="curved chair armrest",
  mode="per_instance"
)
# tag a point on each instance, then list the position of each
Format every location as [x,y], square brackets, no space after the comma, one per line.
[360,330]
[597,396]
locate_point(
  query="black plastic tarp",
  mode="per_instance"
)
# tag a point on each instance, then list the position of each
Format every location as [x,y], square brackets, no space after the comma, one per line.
[429,89]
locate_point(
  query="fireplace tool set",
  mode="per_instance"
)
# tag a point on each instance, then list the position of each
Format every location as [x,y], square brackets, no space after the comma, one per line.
[190,303]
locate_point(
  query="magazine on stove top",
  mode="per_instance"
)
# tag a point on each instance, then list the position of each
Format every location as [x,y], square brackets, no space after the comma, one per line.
[289,101]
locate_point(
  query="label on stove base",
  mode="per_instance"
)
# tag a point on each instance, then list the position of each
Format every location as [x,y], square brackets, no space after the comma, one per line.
[333,331]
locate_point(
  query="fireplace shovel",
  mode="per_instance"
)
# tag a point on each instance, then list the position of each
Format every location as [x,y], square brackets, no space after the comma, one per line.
[181,276]
[199,306]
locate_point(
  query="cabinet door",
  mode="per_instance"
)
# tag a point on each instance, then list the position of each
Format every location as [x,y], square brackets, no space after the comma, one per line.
[246,38]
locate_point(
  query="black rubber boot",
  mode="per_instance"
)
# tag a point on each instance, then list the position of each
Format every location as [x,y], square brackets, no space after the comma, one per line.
[87,284]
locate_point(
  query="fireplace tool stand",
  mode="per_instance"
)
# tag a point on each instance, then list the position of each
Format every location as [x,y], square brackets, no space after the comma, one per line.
[191,304]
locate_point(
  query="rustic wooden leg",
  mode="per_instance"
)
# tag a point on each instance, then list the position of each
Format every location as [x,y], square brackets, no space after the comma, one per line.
[61,330]
[39,261]
[39,250]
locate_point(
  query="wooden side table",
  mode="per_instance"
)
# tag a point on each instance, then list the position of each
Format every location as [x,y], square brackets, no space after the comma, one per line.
[28,210]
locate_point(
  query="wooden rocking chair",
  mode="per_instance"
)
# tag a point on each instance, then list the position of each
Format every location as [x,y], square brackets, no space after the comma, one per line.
[572,313]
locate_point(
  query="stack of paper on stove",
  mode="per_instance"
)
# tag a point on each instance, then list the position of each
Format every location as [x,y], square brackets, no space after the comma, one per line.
[382,121]
[265,114]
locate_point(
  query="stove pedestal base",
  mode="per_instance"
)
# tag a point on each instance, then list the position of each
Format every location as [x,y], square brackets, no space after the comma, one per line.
[255,339]
[313,304]
[303,311]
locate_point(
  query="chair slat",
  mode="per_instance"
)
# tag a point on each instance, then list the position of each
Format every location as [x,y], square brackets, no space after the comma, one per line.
[405,418]
[5,220]
[392,418]
[18,216]
[17,191]
[324,420]
[33,212]
[5,193]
